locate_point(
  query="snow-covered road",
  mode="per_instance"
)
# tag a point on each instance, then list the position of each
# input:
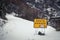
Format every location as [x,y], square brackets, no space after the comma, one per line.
[20,29]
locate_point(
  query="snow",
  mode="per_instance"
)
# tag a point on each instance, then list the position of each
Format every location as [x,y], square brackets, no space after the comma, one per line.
[36,0]
[21,29]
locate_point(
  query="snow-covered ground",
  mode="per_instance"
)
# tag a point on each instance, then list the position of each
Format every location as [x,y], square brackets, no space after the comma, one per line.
[20,29]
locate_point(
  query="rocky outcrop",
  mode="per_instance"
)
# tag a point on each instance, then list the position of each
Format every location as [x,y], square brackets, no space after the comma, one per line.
[23,10]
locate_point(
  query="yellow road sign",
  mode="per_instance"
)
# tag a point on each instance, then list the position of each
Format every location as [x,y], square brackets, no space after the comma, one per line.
[40,23]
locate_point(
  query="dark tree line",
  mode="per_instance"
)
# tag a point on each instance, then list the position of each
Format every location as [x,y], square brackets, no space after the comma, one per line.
[3,5]
[7,7]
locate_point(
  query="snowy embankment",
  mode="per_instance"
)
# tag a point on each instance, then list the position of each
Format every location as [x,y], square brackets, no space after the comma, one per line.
[20,29]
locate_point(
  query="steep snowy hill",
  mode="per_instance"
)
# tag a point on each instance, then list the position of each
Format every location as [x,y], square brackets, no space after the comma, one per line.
[20,29]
